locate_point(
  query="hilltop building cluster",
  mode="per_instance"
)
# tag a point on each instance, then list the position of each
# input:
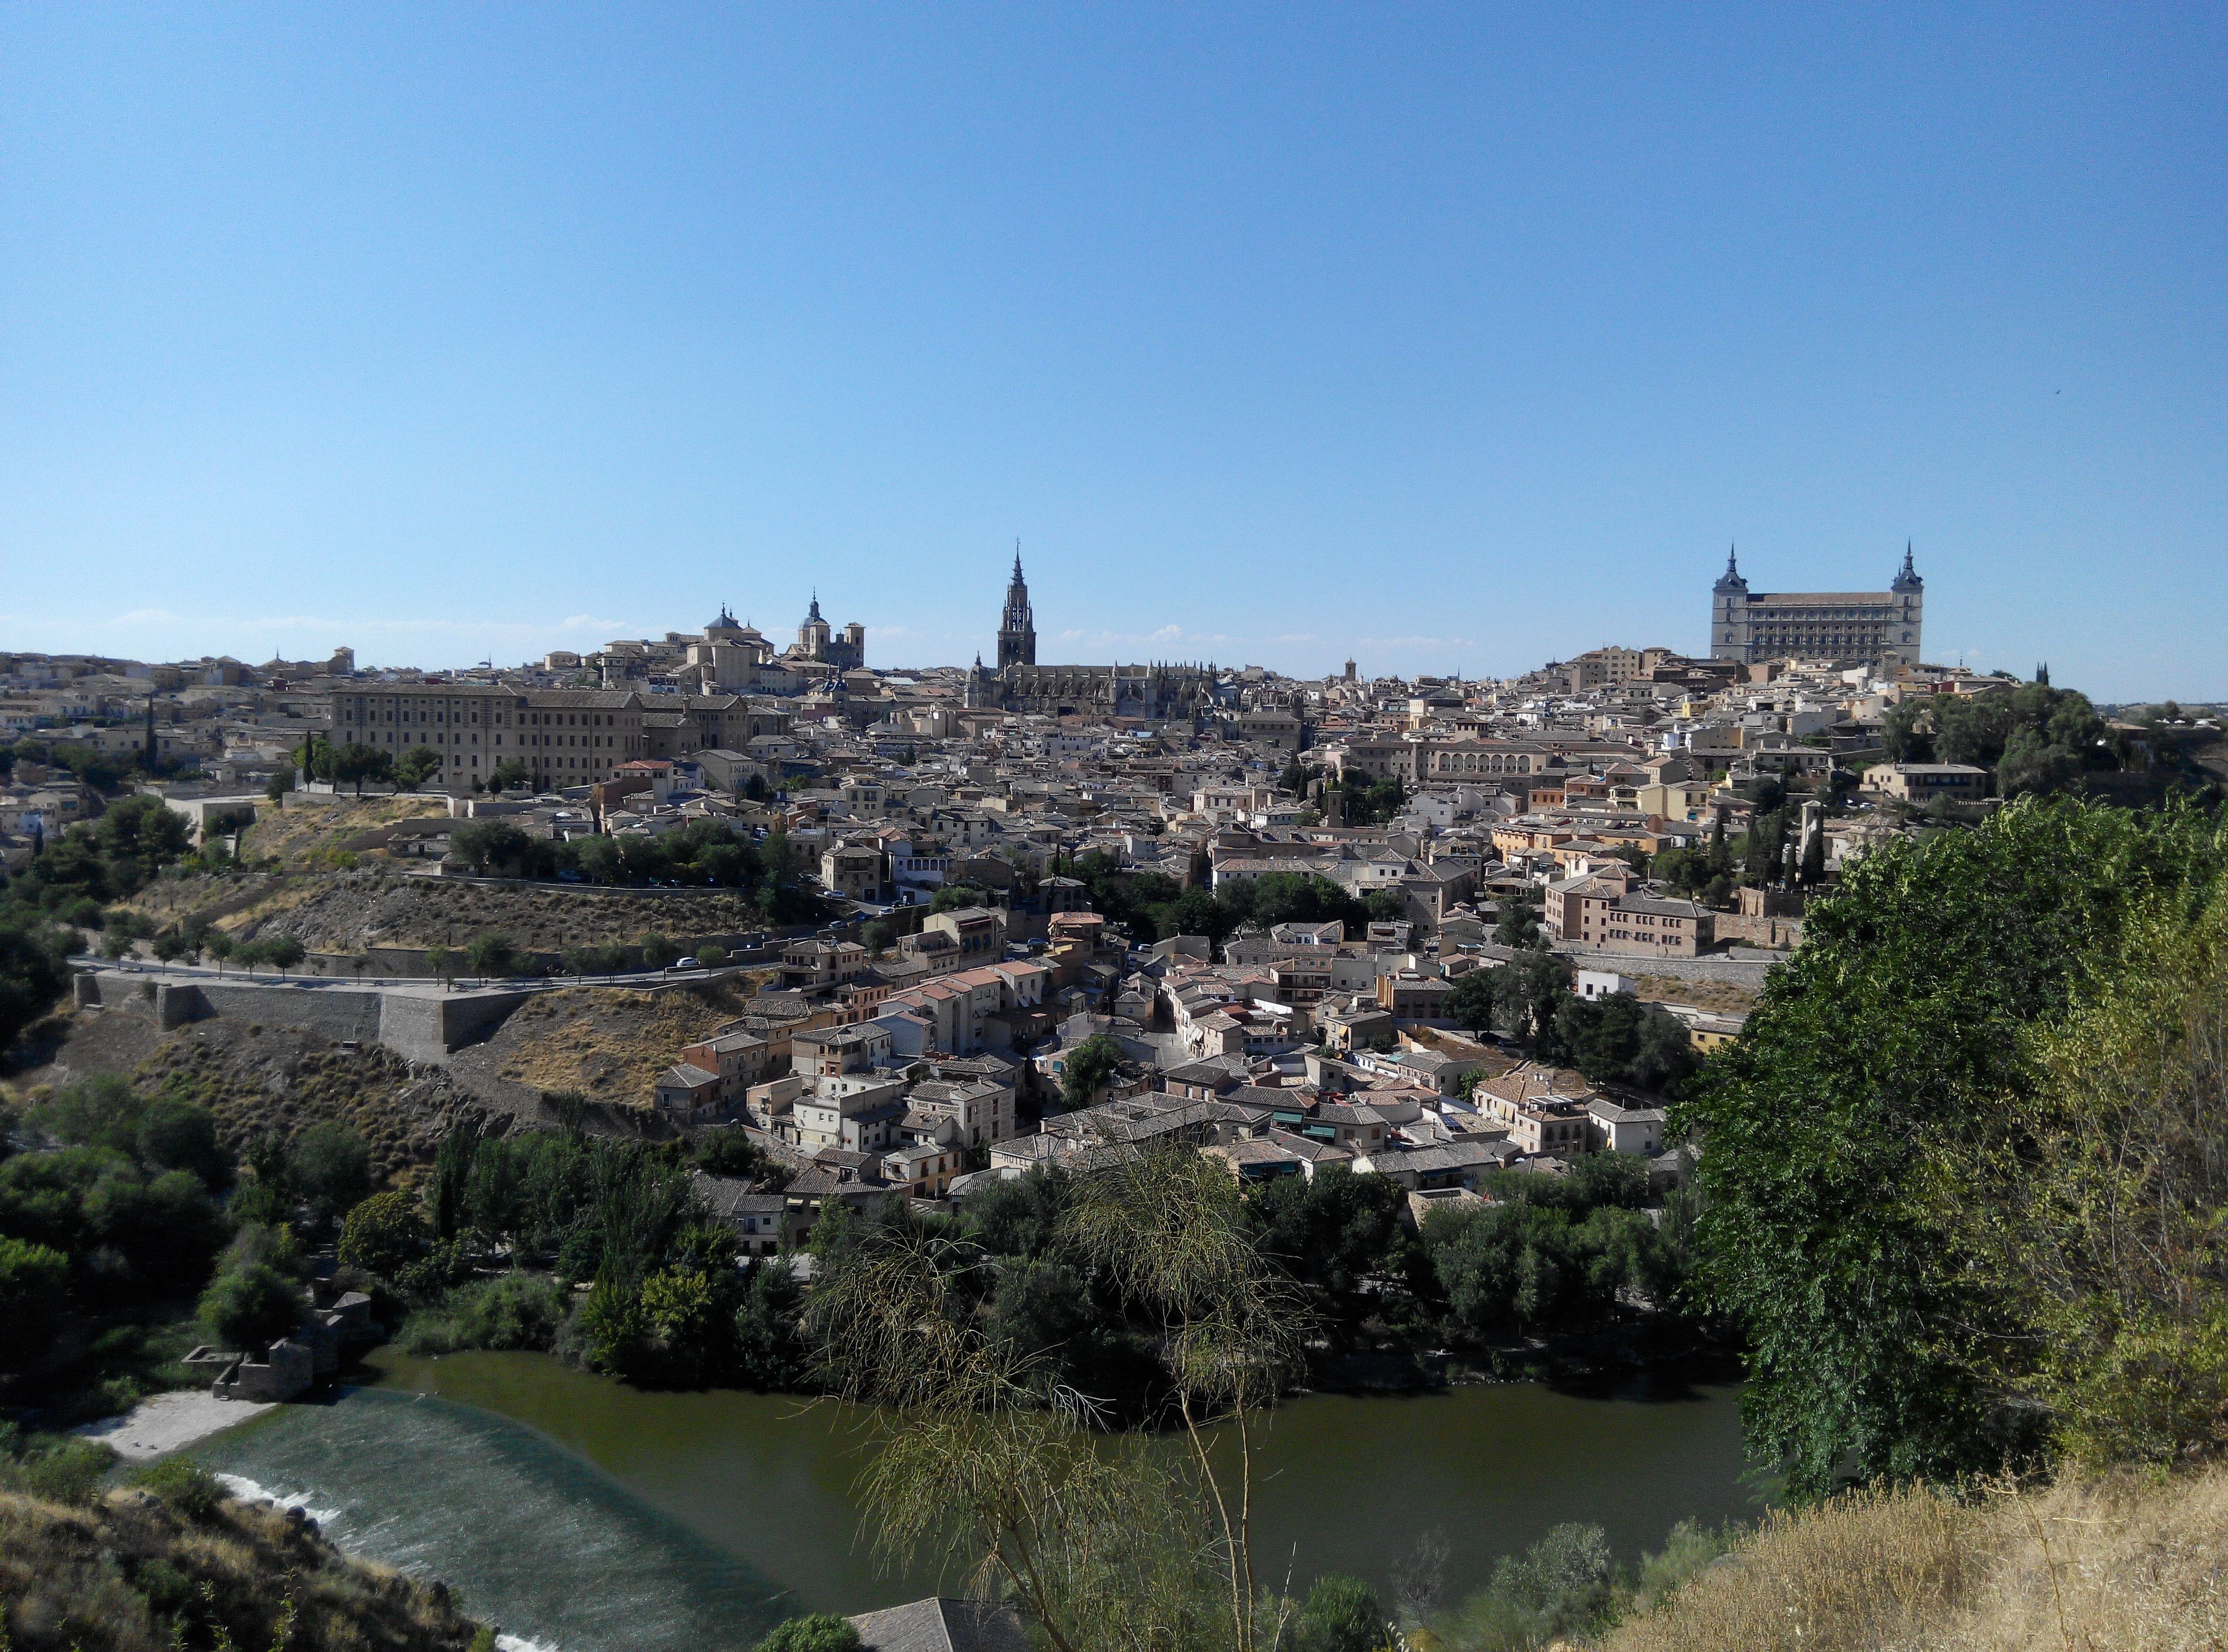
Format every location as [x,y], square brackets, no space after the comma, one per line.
[976,998]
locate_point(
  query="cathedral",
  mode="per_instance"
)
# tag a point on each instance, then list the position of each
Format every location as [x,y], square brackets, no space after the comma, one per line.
[1149,693]
[1878,628]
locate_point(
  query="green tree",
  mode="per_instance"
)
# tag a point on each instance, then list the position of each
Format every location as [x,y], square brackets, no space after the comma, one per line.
[712,956]
[356,763]
[1518,923]
[281,953]
[250,1306]
[1835,1222]
[328,1165]
[770,1347]
[489,956]
[171,1134]
[1336,1229]
[384,1233]
[1469,1004]
[490,844]
[1812,872]
[443,963]
[416,766]
[658,951]
[1087,1068]
[281,783]
[33,970]
[33,1287]
[2110,1244]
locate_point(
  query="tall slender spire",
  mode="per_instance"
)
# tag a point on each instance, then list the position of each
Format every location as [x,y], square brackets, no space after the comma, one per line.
[1017,628]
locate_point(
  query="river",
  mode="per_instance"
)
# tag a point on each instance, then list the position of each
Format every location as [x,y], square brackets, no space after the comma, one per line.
[587,1516]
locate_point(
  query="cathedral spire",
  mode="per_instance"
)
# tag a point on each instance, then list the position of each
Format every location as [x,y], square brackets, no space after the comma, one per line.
[1017,628]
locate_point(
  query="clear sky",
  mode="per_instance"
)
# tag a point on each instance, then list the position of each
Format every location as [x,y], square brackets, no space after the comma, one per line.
[1447,338]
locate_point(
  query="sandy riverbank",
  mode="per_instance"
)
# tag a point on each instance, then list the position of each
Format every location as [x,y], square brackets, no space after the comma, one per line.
[165,1422]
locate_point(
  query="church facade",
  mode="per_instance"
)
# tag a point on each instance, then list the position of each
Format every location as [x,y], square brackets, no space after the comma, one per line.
[1878,628]
[1153,693]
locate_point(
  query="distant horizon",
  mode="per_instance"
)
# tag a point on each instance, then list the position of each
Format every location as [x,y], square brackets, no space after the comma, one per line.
[1448,339]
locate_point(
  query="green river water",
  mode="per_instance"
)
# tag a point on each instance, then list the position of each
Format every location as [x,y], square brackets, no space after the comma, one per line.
[586,1516]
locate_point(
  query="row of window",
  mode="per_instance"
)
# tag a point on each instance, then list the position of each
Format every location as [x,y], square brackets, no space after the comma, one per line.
[526,719]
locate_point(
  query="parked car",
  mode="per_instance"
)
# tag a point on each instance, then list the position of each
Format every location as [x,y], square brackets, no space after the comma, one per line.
[689,963]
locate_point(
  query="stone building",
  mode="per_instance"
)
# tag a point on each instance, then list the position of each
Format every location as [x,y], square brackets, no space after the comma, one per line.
[817,640]
[1154,693]
[563,736]
[1879,628]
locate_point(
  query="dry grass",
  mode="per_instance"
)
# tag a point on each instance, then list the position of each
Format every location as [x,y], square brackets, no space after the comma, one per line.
[309,834]
[2121,1564]
[114,1578]
[1718,997]
[349,912]
[279,1081]
[610,1043]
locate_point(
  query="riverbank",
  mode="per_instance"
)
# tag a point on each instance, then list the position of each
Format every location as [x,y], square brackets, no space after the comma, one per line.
[702,1517]
[169,1422]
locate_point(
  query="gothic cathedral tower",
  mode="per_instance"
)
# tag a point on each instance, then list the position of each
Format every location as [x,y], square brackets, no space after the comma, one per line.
[1017,627]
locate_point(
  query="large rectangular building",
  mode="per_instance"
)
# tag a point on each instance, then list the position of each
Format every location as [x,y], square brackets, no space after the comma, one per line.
[565,737]
[1878,628]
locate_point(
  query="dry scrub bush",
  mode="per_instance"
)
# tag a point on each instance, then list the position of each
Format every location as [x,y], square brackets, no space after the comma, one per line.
[118,1575]
[1867,1570]
[2121,1564]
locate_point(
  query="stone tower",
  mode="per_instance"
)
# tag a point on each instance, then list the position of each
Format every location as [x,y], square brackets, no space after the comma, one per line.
[1017,627]
[1906,624]
[814,634]
[1729,630]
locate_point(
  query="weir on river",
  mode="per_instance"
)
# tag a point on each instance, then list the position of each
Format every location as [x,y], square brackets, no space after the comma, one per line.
[586,1516]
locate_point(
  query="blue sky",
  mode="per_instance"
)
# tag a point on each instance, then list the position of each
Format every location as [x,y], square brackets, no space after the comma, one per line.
[1444,337]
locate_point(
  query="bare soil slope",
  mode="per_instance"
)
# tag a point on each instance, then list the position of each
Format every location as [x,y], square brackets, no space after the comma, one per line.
[259,1079]
[609,1043]
[349,911]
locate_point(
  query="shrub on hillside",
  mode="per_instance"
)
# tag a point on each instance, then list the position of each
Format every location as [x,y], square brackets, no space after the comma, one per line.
[816,1632]
[183,1485]
[519,1311]
[251,1307]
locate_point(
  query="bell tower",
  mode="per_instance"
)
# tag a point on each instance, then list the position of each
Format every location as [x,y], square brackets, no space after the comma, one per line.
[1017,628]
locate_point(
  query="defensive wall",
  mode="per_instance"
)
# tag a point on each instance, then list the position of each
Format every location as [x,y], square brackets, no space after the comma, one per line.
[417,1025]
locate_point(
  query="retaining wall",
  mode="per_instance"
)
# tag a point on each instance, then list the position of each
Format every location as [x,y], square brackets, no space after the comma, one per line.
[418,1027]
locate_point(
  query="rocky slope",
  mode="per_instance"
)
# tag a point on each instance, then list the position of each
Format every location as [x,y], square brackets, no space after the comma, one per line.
[133,1573]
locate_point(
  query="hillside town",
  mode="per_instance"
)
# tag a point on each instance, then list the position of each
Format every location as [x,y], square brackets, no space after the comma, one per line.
[1045,914]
